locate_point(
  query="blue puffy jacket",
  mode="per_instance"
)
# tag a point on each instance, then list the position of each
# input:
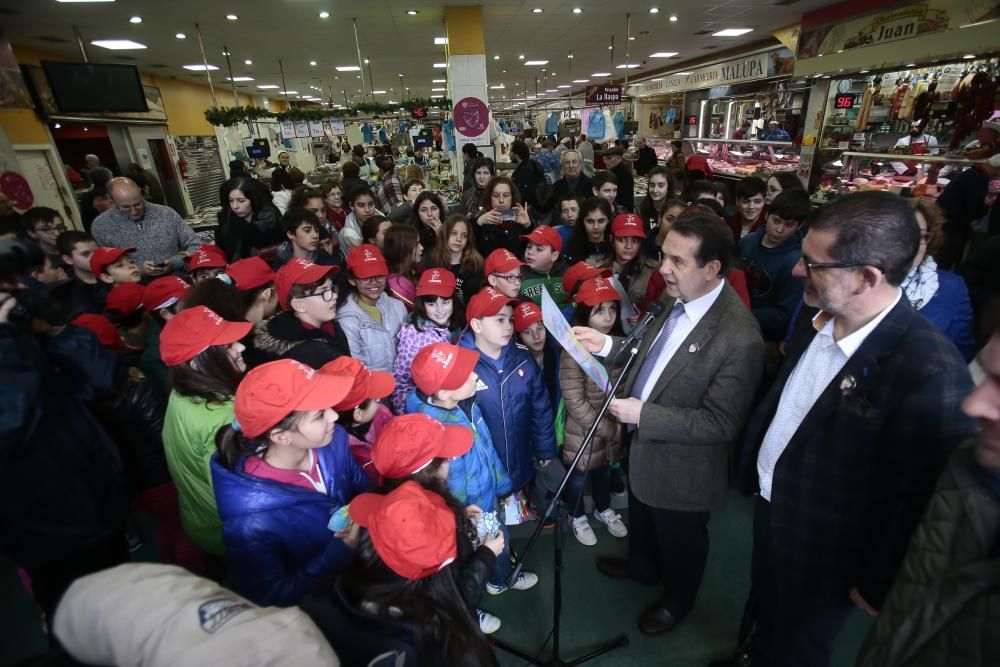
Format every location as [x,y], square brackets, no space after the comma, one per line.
[277,542]
[516,407]
[477,477]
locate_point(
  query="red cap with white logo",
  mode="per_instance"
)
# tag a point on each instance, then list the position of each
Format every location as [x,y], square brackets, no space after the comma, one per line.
[627,224]
[437,282]
[190,332]
[366,261]
[596,291]
[442,366]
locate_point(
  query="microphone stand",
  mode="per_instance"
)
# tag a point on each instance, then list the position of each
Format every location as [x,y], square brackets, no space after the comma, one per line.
[554,660]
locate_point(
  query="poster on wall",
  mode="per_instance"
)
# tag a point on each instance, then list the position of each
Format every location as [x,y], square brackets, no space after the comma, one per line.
[316,128]
[13,93]
[337,126]
[472,119]
[287,129]
[301,128]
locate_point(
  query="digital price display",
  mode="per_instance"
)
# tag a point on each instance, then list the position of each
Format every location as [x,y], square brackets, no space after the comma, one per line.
[845,101]
[691,120]
[418,112]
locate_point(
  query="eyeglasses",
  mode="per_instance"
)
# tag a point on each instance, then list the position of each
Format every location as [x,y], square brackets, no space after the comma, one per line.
[814,266]
[129,207]
[371,280]
[328,294]
[509,277]
[48,229]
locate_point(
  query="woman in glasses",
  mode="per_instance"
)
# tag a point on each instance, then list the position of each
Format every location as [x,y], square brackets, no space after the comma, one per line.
[502,220]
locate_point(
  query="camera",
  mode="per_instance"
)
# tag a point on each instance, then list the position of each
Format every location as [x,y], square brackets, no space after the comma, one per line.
[51,303]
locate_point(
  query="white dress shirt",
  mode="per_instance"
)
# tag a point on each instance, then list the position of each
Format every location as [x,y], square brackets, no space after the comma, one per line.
[817,367]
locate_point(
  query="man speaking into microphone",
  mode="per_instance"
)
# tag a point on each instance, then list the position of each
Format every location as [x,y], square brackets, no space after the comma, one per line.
[689,393]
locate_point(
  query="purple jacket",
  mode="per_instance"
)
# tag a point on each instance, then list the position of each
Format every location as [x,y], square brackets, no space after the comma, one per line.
[412,341]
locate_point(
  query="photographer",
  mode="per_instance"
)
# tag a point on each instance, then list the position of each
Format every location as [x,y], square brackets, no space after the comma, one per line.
[62,504]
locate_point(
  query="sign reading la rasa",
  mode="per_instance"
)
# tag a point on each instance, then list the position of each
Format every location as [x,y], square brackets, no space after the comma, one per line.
[762,65]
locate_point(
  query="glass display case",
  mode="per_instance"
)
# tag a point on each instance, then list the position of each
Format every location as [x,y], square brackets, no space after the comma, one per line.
[736,159]
[662,148]
[905,174]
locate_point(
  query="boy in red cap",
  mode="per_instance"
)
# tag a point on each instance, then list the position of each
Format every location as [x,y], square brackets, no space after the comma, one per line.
[510,390]
[446,388]
[503,272]
[162,300]
[546,351]
[254,278]
[304,329]
[207,262]
[114,266]
[546,265]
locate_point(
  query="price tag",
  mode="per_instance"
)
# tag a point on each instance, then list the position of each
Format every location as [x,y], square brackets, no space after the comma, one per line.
[843,145]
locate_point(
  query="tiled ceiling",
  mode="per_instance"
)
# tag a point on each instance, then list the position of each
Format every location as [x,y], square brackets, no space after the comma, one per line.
[394,41]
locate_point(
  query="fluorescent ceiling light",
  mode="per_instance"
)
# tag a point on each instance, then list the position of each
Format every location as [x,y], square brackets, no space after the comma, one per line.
[289,92]
[530,97]
[440,40]
[581,80]
[392,102]
[627,66]
[564,86]
[412,12]
[732,32]
[180,35]
[533,63]
[601,74]
[438,90]
[240,78]
[118,44]
[135,19]
[663,54]
[232,17]
[436,97]
[440,65]
[313,63]
[551,90]
[439,80]
[248,62]
[378,92]
[673,18]
[268,86]
[347,68]
[654,10]
[500,87]
[324,15]
[682,73]
[577,10]
[200,68]
[537,10]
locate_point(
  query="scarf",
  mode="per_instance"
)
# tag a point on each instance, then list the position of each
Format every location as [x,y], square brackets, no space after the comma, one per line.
[921,284]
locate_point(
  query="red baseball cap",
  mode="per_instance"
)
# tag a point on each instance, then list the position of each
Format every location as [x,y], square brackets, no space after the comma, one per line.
[442,366]
[106,332]
[409,443]
[436,282]
[579,272]
[365,261]
[299,271]
[627,224]
[125,298]
[487,302]
[272,391]
[190,332]
[206,257]
[526,313]
[104,256]
[501,260]
[596,291]
[367,383]
[250,273]
[164,292]
[544,235]
[411,528]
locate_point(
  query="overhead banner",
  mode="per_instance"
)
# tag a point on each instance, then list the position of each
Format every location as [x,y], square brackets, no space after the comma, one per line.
[753,67]
[604,94]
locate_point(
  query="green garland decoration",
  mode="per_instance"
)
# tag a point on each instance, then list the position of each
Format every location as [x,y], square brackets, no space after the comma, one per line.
[230,116]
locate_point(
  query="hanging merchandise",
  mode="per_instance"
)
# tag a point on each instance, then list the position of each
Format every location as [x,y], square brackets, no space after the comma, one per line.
[552,123]
[609,125]
[448,128]
[367,132]
[619,124]
[670,116]
[595,126]
[504,127]
[402,128]
[383,136]
[540,121]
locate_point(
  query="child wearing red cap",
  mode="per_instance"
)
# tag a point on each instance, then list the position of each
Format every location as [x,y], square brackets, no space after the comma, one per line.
[305,329]
[281,470]
[632,268]
[456,250]
[404,595]
[503,272]
[361,412]
[114,266]
[546,265]
[596,307]
[510,390]
[437,316]
[446,387]
[546,351]
[370,318]
[204,354]
[124,307]
[205,263]
[254,279]
[162,299]
[403,254]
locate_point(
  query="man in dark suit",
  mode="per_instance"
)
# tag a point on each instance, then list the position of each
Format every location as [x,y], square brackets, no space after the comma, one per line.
[573,179]
[689,394]
[845,448]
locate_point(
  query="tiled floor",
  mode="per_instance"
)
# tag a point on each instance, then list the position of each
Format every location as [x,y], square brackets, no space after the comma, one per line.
[594,608]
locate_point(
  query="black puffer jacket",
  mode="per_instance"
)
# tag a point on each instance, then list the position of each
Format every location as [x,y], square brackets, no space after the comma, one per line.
[240,239]
[284,337]
[61,479]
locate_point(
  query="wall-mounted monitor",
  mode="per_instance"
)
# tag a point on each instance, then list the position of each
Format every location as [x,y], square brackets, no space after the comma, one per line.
[95,88]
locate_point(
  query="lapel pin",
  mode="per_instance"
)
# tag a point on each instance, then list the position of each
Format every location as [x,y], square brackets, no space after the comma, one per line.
[693,348]
[847,384]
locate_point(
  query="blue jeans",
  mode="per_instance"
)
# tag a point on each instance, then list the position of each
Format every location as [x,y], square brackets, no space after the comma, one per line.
[600,489]
[502,567]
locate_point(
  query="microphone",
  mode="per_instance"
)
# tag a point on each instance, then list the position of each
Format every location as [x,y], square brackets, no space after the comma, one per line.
[654,311]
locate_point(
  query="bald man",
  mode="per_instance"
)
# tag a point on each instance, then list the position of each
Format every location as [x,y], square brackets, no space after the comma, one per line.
[157,233]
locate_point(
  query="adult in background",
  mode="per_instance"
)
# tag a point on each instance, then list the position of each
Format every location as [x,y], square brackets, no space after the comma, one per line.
[390,189]
[614,160]
[586,150]
[157,233]
[645,159]
[573,180]
[528,175]
[963,201]
[845,447]
[469,153]
[248,221]
[155,192]
[689,395]
[483,170]
[677,167]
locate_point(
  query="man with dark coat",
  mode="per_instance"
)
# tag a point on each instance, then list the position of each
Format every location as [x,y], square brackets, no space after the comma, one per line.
[844,449]
[573,179]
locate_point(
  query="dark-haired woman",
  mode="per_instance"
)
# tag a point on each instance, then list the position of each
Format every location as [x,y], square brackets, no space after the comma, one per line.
[590,241]
[248,221]
[502,220]
[427,216]
[403,252]
[282,469]
[483,170]
[204,355]
[652,206]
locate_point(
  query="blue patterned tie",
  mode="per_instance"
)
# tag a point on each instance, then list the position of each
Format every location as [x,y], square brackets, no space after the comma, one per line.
[655,350]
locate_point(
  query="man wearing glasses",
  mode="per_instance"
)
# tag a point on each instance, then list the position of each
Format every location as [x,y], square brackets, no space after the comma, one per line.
[844,450]
[159,235]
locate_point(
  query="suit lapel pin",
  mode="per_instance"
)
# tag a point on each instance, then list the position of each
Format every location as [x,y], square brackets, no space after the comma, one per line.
[693,347]
[847,385]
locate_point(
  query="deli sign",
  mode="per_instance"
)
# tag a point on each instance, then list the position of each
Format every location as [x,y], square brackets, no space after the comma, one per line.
[754,67]
[604,94]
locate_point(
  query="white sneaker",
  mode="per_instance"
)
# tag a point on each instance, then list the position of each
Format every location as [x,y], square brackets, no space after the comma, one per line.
[525,580]
[582,531]
[488,623]
[613,521]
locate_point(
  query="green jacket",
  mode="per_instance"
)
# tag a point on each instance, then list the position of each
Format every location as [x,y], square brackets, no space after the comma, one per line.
[151,364]
[189,430]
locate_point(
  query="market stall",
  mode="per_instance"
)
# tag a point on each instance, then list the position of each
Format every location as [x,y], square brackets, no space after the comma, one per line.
[736,159]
